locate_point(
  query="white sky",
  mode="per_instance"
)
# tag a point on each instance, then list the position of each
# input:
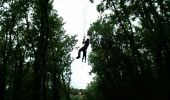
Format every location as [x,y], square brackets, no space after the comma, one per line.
[78,15]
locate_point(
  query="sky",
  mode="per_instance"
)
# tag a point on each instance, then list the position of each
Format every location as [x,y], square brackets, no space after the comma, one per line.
[78,15]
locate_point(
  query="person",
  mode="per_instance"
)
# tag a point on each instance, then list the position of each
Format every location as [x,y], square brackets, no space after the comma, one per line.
[84,55]
[83,49]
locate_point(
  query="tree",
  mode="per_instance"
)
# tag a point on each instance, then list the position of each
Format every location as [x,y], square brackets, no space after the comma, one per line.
[130,47]
[35,51]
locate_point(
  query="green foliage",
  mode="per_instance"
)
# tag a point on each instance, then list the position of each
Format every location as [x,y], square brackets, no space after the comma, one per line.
[92,91]
[35,59]
[130,51]
[77,94]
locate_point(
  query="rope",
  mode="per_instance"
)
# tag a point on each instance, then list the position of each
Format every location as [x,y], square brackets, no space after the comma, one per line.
[85,15]
[84,7]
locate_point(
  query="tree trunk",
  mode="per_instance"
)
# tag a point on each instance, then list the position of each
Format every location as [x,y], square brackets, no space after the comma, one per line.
[40,62]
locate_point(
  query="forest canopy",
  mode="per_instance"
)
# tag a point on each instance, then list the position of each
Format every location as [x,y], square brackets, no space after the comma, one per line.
[35,60]
[130,55]
[130,50]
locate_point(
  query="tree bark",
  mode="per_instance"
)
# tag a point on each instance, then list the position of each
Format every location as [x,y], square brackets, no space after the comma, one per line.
[40,56]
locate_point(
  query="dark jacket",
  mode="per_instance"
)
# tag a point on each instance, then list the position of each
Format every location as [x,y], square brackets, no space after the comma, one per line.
[86,43]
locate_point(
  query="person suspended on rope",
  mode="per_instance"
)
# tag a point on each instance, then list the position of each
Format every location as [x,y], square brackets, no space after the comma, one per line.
[84,48]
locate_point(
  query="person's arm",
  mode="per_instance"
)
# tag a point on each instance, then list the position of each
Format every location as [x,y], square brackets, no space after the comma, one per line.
[83,40]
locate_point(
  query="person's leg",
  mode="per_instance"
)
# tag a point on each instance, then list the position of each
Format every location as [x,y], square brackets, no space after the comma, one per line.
[83,55]
[85,52]
[79,53]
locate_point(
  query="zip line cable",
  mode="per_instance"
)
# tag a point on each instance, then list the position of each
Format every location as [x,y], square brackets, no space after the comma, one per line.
[85,17]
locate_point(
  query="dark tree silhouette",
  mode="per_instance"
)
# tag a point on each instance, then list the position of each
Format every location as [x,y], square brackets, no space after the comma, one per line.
[35,54]
[130,49]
